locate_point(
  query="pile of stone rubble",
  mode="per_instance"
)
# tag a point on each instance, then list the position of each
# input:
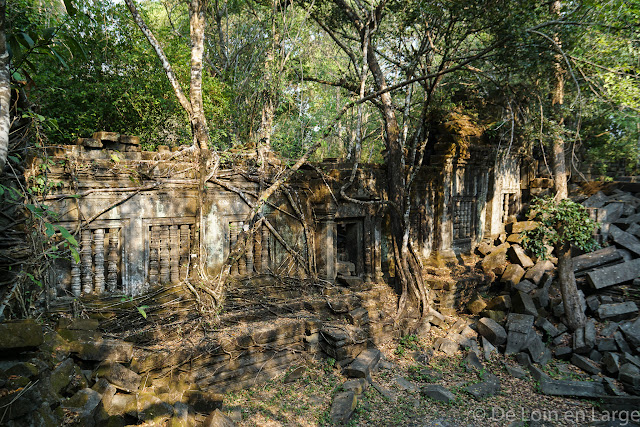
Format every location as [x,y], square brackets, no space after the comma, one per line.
[74,376]
[527,318]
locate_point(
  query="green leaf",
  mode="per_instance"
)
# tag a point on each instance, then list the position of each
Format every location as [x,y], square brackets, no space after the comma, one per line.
[65,233]
[60,59]
[71,10]
[141,310]
[74,254]
[48,33]
[115,158]
[25,40]
[50,229]
[34,280]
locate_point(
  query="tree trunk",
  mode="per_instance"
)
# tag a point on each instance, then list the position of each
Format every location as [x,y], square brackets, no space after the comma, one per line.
[198,119]
[5,90]
[573,309]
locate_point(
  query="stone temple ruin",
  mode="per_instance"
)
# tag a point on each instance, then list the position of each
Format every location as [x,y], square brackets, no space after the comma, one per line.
[145,222]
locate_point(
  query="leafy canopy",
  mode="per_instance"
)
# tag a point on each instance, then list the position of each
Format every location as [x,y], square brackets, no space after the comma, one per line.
[560,223]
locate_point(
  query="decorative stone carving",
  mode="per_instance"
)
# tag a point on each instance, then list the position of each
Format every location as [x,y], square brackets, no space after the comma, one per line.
[112,260]
[249,253]
[154,245]
[165,274]
[98,277]
[174,249]
[234,231]
[264,255]
[185,243]
[76,287]
[86,259]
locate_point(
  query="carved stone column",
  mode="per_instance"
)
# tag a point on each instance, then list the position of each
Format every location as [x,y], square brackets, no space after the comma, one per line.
[165,275]
[249,252]
[86,259]
[326,250]
[98,278]
[154,249]
[174,249]
[76,287]
[185,241]
[112,261]
[264,255]
[377,247]
[368,248]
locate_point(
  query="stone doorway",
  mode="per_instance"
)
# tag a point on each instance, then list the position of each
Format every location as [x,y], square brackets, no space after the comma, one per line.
[350,246]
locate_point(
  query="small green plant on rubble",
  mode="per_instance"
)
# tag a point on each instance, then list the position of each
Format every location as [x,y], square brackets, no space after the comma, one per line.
[408,342]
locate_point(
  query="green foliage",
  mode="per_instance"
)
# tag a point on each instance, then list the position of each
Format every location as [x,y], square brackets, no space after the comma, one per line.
[408,342]
[559,223]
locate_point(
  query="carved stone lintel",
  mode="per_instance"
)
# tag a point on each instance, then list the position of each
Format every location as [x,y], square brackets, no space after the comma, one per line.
[112,262]
[85,258]
[98,278]
[165,275]
[174,249]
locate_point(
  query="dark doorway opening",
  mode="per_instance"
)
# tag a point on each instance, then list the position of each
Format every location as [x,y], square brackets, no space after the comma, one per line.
[350,245]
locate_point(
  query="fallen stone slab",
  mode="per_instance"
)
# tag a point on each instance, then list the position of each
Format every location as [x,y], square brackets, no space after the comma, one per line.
[537,349]
[547,327]
[218,419]
[520,226]
[589,389]
[84,402]
[384,392]
[489,386]
[476,305]
[610,213]
[579,343]
[517,255]
[620,404]
[590,333]
[364,364]
[585,364]
[488,349]
[496,259]
[405,384]
[437,392]
[631,331]
[121,377]
[619,311]
[103,350]
[512,274]
[358,386]
[203,402]
[523,303]
[621,342]
[525,286]
[20,333]
[598,200]
[499,303]
[472,362]
[624,239]
[535,273]
[609,276]
[515,371]
[606,344]
[492,331]
[518,322]
[595,259]
[446,346]
[342,407]
[563,352]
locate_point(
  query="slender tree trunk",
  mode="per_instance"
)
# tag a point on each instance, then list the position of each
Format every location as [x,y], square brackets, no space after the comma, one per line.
[5,90]
[268,95]
[198,119]
[573,309]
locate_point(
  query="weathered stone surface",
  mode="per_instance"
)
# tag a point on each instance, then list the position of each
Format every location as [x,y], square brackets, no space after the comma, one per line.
[472,362]
[78,324]
[485,248]
[525,286]
[539,352]
[609,329]
[512,274]
[106,136]
[611,362]
[563,352]
[150,407]
[476,305]
[61,376]
[629,376]
[496,260]
[446,346]
[492,331]
[515,371]
[499,303]
[590,333]
[619,311]
[622,343]
[218,419]
[624,239]
[517,255]
[535,273]
[610,213]
[523,303]
[596,201]
[20,402]
[119,376]
[609,276]
[362,366]
[585,364]
[89,142]
[522,323]
[358,386]
[129,139]
[488,387]
[20,333]
[579,344]
[597,258]
[103,350]
[438,392]
[607,344]
[84,402]
[488,349]
[588,389]
[520,226]
[342,407]
[547,327]
[631,331]
[405,384]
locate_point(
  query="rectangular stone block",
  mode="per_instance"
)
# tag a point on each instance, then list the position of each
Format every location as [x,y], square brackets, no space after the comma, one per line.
[619,273]
[597,258]
[619,311]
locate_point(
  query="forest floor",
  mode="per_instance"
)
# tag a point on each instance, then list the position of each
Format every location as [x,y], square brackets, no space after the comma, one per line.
[307,401]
